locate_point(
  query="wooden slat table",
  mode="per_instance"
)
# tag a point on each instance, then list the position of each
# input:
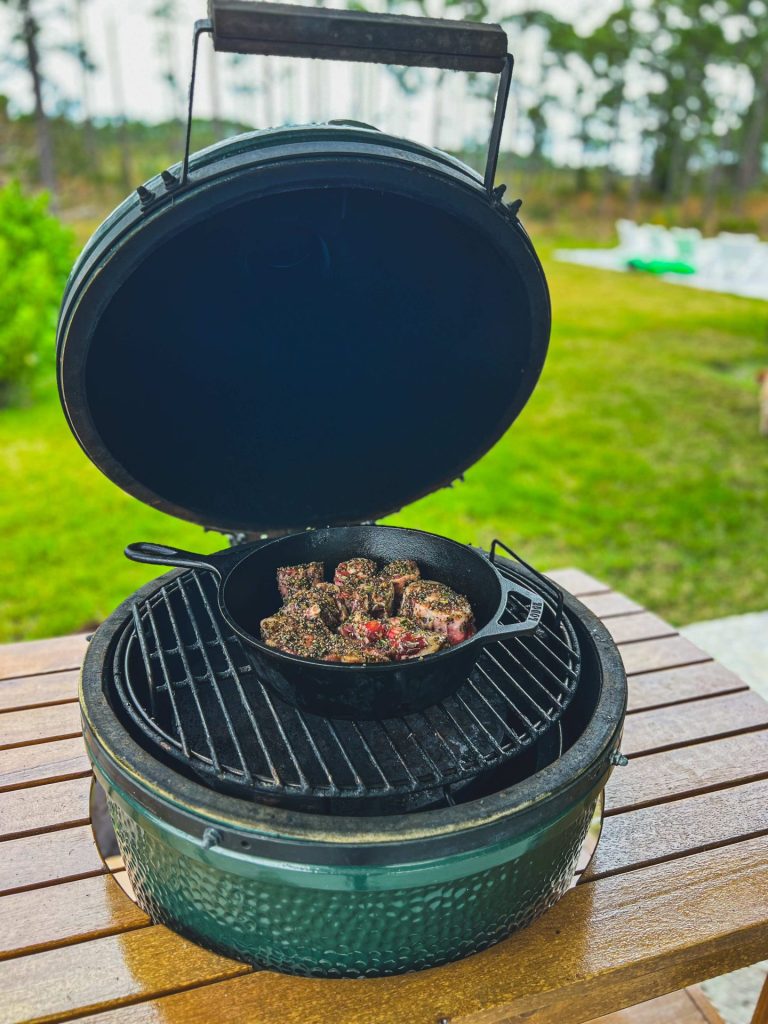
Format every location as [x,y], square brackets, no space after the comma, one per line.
[677,891]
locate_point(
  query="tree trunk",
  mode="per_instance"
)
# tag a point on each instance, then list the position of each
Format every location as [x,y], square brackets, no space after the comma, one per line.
[437,109]
[268,92]
[290,102]
[30,30]
[91,149]
[750,168]
[118,100]
[606,188]
[684,180]
[634,194]
[213,82]
[709,198]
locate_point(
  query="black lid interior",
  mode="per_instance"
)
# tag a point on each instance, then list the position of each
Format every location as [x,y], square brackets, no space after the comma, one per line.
[313,357]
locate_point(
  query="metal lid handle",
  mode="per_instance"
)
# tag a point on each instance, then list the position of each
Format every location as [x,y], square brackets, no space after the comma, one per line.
[294,30]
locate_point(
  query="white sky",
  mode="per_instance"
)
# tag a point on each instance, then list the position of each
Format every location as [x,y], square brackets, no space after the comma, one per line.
[124,43]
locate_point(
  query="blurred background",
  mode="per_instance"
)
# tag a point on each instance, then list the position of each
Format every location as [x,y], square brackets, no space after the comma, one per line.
[638,458]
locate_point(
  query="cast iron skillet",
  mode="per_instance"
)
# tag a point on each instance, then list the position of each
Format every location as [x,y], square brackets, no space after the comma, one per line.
[248,593]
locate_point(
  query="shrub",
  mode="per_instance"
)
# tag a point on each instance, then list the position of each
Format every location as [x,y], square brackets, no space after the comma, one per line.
[36,252]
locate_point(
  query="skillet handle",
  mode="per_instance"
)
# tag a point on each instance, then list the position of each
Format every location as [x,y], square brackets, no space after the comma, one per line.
[497,631]
[161,554]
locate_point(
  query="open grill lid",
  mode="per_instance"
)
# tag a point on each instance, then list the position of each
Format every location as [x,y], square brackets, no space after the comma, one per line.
[304,327]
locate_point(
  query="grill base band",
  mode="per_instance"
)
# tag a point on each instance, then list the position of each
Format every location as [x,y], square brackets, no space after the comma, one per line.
[321,932]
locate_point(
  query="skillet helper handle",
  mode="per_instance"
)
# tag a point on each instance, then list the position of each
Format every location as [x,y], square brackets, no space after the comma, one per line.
[505,631]
[178,558]
[293,30]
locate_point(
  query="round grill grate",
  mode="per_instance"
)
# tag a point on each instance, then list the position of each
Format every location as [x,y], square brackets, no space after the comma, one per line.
[188,690]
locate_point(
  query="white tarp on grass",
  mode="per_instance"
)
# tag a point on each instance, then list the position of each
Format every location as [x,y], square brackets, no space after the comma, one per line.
[732,264]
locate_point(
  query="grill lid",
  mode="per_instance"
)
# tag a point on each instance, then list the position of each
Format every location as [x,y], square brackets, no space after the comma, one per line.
[317,327]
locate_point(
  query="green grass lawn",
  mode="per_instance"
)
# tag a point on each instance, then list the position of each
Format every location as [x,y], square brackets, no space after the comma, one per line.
[637,459]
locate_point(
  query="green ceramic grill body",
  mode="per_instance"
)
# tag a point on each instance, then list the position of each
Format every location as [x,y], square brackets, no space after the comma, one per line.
[334,896]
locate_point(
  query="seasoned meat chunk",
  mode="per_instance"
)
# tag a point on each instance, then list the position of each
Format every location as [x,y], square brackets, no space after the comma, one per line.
[320,601]
[401,573]
[298,577]
[364,628]
[404,639]
[346,650]
[436,607]
[354,571]
[309,638]
[375,597]
[353,651]
[274,629]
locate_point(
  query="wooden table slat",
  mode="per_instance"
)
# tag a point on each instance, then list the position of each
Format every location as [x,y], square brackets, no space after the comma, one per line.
[626,629]
[577,1007]
[32,657]
[68,981]
[626,937]
[35,725]
[652,655]
[53,805]
[676,1008]
[43,762]
[686,771]
[577,582]
[680,724]
[672,686]
[32,691]
[612,603]
[655,833]
[72,911]
[43,859]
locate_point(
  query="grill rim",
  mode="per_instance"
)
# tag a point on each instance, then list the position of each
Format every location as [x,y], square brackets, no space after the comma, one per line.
[398,838]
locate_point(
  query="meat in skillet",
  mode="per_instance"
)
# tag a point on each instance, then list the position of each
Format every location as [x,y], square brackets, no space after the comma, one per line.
[374,597]
[436,607]
[309,638]
[401,573]
[320,601]
[291,578]
[353,621]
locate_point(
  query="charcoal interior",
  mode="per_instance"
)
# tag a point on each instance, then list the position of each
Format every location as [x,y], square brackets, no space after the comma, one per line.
[309,358]
[187,689]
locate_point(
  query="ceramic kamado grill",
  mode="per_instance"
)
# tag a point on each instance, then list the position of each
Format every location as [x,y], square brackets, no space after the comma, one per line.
[286,337]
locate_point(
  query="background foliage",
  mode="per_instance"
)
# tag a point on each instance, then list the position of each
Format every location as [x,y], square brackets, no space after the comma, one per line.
[36,252]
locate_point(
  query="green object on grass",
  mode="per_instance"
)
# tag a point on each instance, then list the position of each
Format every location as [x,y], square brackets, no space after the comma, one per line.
[661,266]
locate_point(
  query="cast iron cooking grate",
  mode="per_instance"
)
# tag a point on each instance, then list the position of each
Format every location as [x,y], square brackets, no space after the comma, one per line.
[193,696]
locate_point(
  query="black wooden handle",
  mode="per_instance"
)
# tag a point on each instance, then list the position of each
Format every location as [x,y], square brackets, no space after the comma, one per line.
[291,30]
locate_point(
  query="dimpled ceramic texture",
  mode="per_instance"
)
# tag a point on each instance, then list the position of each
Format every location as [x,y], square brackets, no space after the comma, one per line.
[329,931]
